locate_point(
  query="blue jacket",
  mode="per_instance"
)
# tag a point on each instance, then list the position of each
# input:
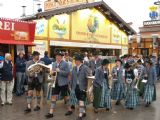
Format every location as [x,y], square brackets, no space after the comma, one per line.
[7,71]
[20,65]
[46,60]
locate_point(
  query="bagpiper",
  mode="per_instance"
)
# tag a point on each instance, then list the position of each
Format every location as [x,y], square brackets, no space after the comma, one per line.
[132,98]
[150,86]
[101,89]
[79,84]
[61,85]
[118,84]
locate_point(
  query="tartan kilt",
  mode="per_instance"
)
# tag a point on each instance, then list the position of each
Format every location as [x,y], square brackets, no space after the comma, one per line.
[73,100]
[132,98]
[149,93]
[118,91]
[105,97]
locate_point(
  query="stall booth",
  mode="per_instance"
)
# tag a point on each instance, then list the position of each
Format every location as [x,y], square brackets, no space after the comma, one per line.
[15,36]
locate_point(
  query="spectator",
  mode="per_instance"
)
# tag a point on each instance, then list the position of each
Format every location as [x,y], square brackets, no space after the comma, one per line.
[46,59]
[20,73]
[7,80]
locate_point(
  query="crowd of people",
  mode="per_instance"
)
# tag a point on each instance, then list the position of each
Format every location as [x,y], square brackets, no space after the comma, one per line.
[133,78]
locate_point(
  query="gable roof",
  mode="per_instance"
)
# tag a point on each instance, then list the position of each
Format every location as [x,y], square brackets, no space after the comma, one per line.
[101,6]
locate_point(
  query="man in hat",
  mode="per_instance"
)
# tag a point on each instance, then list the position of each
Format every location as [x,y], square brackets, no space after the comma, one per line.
[61,86]
[79,84]
[101,90]
[95,62]
[118,85]
[150,86]
[35,81]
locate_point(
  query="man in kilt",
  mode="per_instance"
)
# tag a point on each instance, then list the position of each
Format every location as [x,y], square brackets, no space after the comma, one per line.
[118,85]
[150,87]
[79,84]
[132,98]
[61,85]
[101,90]
[35,81]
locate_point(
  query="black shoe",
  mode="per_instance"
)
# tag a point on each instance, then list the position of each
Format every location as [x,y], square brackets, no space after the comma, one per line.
[147,104]
[107,109]
[2,104]
[27,110]
[84,115]
[131,108]
[68,113]
[118,103]
[49,116]
[37,108]
[79,118]
[73,107]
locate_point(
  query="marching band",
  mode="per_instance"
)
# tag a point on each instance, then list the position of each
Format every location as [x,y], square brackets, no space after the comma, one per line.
[124,84]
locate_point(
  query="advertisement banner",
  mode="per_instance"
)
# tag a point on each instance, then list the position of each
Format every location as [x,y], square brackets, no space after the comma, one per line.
[40,46]
[124,38]
[116,35]
[90,25]
[16,32]
[59,27]
[41,28]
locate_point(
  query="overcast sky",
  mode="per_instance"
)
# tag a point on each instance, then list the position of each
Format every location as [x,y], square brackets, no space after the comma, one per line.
[135,11]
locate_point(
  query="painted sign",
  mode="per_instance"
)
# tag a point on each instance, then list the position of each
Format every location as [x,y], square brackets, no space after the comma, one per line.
[116,34]
[15,30]
[51,4]
[90,26]
[124,38]
[40,46]
[41,28]
[59,26]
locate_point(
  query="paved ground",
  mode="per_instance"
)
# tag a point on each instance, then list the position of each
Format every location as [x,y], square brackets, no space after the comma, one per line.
[15,112]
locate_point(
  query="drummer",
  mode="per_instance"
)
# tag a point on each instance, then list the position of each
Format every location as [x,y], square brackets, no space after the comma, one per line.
[101,91]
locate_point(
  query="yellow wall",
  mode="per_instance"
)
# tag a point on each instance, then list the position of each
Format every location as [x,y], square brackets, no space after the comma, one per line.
[59,27]
[90,26]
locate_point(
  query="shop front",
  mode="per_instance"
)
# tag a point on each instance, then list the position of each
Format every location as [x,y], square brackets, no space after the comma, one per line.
[91,26]
[15,36]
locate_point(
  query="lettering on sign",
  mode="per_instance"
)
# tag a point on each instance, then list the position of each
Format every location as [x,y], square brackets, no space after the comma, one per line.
[6,25]
[51,4]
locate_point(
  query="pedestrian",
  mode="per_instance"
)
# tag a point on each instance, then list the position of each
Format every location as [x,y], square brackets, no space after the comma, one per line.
[101,88]
[95,63]
[150,86]
[7,80]
[61,86]
[35,81]
[20,73]
[132,98]
[118,83]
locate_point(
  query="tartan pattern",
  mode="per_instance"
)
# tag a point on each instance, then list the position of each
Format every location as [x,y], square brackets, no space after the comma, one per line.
[73,100]
[132,97]
[105,96]
[149,93]
[118,91]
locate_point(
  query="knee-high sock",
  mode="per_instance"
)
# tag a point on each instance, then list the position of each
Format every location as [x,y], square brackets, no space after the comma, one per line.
[53,104]
[81,108]
[38,100]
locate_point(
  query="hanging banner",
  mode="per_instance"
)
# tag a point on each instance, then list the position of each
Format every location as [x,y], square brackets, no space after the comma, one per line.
[16,31]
